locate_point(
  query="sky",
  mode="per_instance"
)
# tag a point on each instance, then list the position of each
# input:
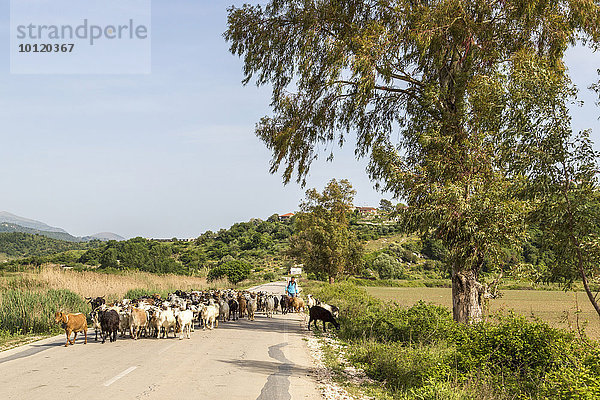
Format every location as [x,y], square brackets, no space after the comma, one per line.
[171,153]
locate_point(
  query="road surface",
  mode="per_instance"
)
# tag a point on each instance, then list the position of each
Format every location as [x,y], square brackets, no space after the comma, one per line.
[265,359]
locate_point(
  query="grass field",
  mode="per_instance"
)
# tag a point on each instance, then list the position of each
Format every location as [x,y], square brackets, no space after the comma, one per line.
[92,284]
[558,308]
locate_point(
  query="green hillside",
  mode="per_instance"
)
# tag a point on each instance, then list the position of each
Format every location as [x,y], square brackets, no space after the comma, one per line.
[19,244]
[10,227]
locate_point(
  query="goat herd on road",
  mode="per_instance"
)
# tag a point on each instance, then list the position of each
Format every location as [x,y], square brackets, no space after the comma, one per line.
[152,316]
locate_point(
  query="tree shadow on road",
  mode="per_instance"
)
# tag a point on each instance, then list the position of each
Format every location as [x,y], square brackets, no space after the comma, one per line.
[267,367]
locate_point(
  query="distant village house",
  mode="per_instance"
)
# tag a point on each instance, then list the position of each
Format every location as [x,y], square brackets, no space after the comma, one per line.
[285,217]
[367,211]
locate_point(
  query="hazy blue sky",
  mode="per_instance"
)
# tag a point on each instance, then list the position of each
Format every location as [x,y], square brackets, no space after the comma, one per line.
[172,153]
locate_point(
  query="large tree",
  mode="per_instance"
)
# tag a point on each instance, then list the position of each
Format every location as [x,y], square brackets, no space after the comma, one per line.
[323,241]
[431,90]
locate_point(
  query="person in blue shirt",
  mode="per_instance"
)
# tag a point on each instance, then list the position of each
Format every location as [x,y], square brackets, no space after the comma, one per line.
[292,288]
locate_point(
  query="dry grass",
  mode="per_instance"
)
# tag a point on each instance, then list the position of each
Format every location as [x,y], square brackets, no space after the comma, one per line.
[558,308]
[92,284]
[383,242]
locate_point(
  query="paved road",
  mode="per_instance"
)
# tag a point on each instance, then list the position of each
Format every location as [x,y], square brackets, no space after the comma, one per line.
[265,359]
[272,287]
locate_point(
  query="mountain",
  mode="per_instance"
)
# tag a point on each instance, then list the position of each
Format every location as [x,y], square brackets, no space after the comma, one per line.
[10,227]
[28,223]
[103,236]
[13,223]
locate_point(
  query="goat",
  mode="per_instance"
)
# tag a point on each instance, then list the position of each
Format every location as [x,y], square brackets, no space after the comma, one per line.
[233,309]
[285,304]
[185,319]
[109,321]
[251,308]
[269,306]
[138,321]
[96,322]
[166,321]
[210,316]
[332,309]
[243,305]
[310,301]
[72,323]
[96,303]
[318,313]
[297,303]
[223,310]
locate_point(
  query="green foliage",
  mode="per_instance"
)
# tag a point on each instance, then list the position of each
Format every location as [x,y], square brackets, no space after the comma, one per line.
[388,267]
[323,240]
[421,351]
[404,368]
[25,311]
[454,103]
[234,270]
[386,206]
[435,249]
[257,241]
[140,292]
[269,276]
[17,244]
[363,316]
[373,231]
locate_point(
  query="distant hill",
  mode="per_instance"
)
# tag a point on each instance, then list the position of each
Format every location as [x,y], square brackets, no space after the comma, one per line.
[103,236]
[10,227]
[14,223]
[28,223]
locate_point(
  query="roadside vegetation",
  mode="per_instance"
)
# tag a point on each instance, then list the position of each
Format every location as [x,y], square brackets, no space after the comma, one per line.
[30,296]
[419,352]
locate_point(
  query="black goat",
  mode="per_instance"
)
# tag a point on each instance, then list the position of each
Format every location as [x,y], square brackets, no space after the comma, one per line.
[109,321]
[97,302]
[284,304]
[233,309]
[318,313]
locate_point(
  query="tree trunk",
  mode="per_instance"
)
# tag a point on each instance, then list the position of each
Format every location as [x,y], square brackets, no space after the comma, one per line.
[331,280]
[467,297]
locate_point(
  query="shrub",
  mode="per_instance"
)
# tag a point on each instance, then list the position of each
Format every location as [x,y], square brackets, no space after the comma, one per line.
[388,267]
[235,271]
[269,276]
[435,249]
[528,356]
[137,293]
[409,257]
[402,367]
[363,316]
[421,353]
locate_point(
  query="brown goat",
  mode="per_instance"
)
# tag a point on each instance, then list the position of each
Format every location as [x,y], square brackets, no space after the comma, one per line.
[72,323]
[242,301]
[297,303]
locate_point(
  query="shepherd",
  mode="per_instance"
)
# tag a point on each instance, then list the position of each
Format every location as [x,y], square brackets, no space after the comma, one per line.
[292,288]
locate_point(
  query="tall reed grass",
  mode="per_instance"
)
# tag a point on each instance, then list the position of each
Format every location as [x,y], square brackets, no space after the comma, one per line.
[92,283]
[30,297]
[25,311]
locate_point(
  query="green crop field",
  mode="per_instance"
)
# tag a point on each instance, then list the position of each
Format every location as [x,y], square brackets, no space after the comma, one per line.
[556,307]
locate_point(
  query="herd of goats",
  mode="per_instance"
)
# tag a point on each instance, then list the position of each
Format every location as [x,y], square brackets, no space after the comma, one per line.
[152,316]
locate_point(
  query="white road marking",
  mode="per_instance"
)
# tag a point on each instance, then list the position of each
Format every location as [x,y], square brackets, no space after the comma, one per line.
[116,378]
[166,348]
